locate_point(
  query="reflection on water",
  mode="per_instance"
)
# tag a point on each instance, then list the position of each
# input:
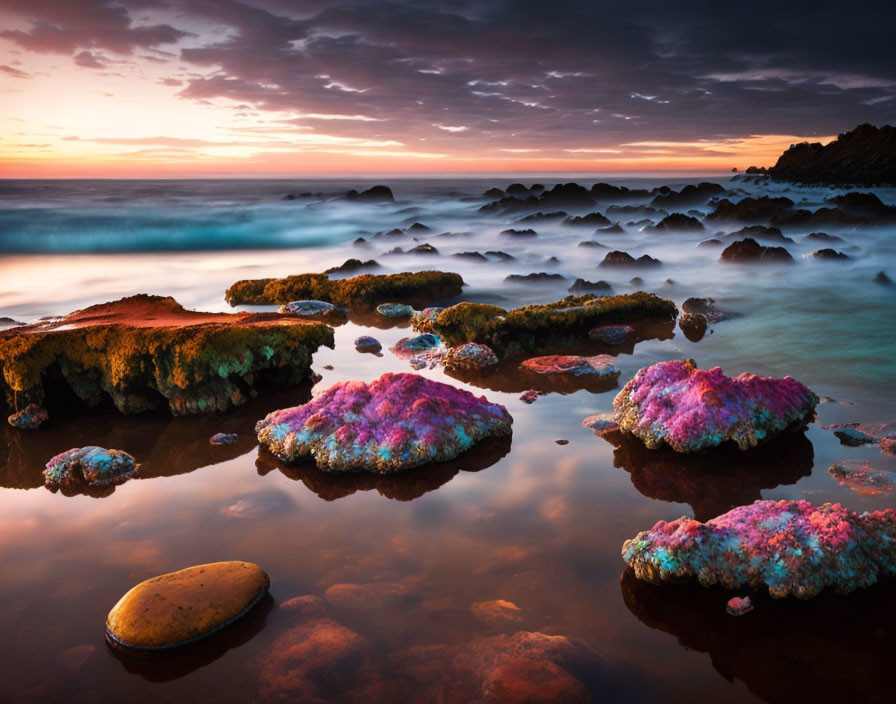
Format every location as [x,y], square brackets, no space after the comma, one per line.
[715,482]
[830,648]
[402,560]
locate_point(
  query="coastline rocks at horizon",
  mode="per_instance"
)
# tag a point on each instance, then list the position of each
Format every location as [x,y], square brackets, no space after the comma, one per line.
[31,417]
[89,466]
[394,423]
[791,547]
[179,608]
[691,409]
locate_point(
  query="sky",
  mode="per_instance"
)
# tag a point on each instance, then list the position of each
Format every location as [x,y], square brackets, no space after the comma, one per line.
[182,88]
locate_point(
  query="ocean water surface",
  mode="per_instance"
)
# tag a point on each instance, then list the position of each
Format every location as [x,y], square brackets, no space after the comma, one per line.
[534,523]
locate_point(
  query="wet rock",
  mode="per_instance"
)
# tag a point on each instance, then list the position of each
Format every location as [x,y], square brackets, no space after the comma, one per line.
[395,310]
[590,220]
[882,279]
[223,438]
[472,256]
[314,309]
[144,350]
[422,320]
[592,243]
[693,325]
[583,286]
[352,265]
[759,232]
[864,156]
[496,612]
[517,190]
[470,357]
[360,242]
[407,347]
[739,605]
[830,255]
[9,323]
[375,194]
[561,441]
[365,343]
[77,468]
[750,251]
[31,417]
[367,289]
[759,210]
[705,307]
[182,607]
[493,193]
[424,248]
[363,597]
[677,222]
[534,277]
[791,547]
[617,258]
[614,229]
[598,366]
[611,334]
[417,228]
[636,281]
[823,237]
[601,424]
[500,256]
[689,196]
[644,211]
[857,434]
[530,396]
[862,478]
[712,242]
[394,423]
[691,409]
[538,327]
[519,233]
[543,217]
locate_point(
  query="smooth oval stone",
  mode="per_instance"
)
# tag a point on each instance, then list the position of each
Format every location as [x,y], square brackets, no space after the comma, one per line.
[181,607]
[395,310]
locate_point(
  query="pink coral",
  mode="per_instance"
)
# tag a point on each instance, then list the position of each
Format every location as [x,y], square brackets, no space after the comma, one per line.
[693,409]
[393,423]
[791,547]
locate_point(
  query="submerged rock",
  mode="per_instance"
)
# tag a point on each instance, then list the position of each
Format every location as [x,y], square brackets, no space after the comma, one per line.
[862,478]
[749,250]
[314,309]
[144,350]
[598,366]
[693,409]
[693,325]
[395,310]
[88,466]
[223,438]
[367,289]
[791,547]
[178,608]
[409,346]
[365,343]
[470,356]
[601,424]
[611,334]
[31,417]
[534,277]
[705,307]
[394,423]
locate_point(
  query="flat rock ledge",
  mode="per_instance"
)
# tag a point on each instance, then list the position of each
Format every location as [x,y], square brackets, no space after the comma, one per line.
[182,607]
[147,351]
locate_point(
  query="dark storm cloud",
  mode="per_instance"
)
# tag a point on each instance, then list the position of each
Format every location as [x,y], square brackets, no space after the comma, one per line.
[546,73]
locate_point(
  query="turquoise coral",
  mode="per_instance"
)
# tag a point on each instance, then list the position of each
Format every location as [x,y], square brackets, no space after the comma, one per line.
[793,548]
[393,423]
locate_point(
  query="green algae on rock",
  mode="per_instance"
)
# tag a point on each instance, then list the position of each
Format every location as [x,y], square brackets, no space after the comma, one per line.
[144,351]
[367,289]
[534,327]
[181,607]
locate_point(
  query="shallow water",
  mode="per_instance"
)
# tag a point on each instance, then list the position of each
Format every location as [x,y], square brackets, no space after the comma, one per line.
[536,523]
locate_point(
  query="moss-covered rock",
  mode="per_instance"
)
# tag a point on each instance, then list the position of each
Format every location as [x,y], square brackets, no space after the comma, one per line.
[364,290]
[145,351]
[539,327]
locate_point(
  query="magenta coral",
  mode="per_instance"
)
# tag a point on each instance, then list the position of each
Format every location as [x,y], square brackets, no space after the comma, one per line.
[597,366]
[792,547]
[693,409]
[393,423]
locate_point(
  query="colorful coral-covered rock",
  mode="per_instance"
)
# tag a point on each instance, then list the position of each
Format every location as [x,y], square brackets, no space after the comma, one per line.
[693,409]
[31,417]
[470,357]
[791,547]
[92,465]
[407,347]
[393,423]
[599,365]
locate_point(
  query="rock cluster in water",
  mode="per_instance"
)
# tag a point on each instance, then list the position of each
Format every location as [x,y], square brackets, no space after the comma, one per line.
[693,409]
[394,423]
[791,547]
[90,466]
[178,608]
